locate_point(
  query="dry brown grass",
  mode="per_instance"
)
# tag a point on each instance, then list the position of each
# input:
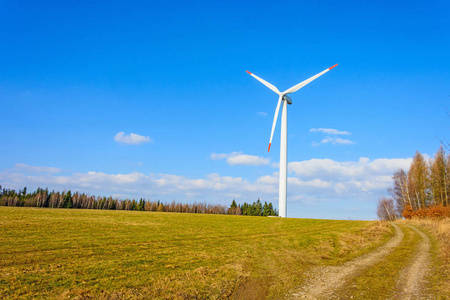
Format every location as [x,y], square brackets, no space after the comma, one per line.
[366,237]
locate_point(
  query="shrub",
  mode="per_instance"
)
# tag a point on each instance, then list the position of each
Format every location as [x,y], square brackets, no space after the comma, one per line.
[433,212]
[408,212]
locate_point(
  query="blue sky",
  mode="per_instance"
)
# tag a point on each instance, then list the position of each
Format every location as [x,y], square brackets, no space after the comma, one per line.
[77,78]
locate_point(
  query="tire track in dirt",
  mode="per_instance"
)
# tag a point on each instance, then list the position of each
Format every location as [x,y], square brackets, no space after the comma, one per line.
[412,279]
[324,281]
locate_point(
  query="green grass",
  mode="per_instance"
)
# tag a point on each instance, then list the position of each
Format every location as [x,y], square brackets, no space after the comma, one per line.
[68,253]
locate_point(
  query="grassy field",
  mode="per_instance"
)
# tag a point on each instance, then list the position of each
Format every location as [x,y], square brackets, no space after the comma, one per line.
[90,254]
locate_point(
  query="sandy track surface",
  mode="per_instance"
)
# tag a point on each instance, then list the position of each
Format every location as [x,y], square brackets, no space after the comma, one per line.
[412,278]
[325,280]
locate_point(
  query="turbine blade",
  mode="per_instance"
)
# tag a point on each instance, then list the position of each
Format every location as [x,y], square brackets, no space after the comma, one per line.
[269,85]
[275,117]
[305,82]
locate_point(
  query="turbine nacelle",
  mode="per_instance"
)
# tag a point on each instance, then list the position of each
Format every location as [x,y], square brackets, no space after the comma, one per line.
[288,99]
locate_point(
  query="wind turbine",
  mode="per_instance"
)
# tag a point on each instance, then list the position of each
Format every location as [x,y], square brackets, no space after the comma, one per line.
[283,96]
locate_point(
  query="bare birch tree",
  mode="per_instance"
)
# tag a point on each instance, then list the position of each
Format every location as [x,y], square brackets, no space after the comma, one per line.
[386,209]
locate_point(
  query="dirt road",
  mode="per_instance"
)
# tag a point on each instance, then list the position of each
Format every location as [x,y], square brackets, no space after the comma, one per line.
[330,282]
[412,278]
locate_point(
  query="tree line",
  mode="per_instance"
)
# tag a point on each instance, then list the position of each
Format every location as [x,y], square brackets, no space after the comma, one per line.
[66,199]
[424,190]
[254,209]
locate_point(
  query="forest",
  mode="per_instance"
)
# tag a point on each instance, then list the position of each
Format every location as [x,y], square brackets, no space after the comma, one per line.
[422,191]
[66,199]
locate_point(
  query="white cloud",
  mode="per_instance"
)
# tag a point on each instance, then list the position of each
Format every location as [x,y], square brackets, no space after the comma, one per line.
[342,141]
[132,138]
[213,188]
[324,177]
[360,171]
[317,184]
[334,141]
[36,169]
[238,158]
[247,160]
[329,131]
[331,139]
[216,156]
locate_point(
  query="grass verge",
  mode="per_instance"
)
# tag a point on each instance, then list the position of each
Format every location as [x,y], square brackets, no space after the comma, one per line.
[439,232]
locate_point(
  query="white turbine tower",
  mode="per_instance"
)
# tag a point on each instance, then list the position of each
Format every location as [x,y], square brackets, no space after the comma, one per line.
[283,142]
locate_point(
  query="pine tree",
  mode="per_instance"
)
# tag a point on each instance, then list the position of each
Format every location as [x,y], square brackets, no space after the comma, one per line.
[258,208]
[133,205]
[272,211]
[245,209]
[68,200]
[266,211]
[233,208]
[233,204]
[141,204]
